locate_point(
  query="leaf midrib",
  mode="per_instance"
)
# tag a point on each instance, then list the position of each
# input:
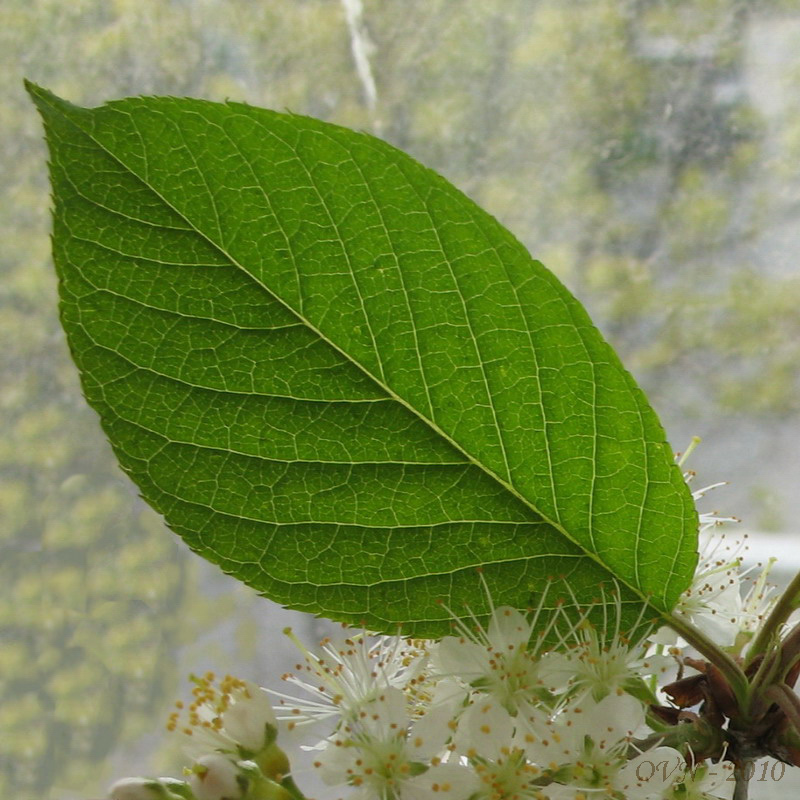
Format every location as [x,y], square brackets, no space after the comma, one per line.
[431,423]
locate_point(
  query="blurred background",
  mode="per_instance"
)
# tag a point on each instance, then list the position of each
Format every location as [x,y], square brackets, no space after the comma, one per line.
[648,152]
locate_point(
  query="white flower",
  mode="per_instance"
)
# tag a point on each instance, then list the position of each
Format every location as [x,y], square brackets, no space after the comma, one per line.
[704,782]
[233,717]
[581,750]
[445,781]
[586,746]
[383,753]
[669,777]
[609,724]
[486,736]
[347,675]
[640,778]
[600,662]
[498,661]
[215,777]
[713,603]
[758,601]
[485,730]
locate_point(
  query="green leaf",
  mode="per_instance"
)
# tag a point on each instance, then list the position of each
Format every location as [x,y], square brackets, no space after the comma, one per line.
[343,382]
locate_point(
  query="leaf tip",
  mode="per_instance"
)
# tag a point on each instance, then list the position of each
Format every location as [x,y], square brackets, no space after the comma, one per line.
[35,91]
[44,99]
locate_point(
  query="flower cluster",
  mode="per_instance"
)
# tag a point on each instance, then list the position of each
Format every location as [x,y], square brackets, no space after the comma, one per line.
[489,715]
[486,714]
[538,705]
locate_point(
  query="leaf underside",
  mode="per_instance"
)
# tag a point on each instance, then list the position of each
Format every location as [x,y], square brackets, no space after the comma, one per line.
[343,382]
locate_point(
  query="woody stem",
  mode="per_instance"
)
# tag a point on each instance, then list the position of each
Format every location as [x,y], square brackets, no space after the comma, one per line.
[742,784]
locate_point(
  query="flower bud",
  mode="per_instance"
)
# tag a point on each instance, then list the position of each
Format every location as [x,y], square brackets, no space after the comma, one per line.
[269,790]
[177,790]
[273,762]
[139,789]
[251,720]
[260,787]
[215,777]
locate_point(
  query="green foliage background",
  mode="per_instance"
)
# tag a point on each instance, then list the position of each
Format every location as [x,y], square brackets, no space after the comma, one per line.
[624,141]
